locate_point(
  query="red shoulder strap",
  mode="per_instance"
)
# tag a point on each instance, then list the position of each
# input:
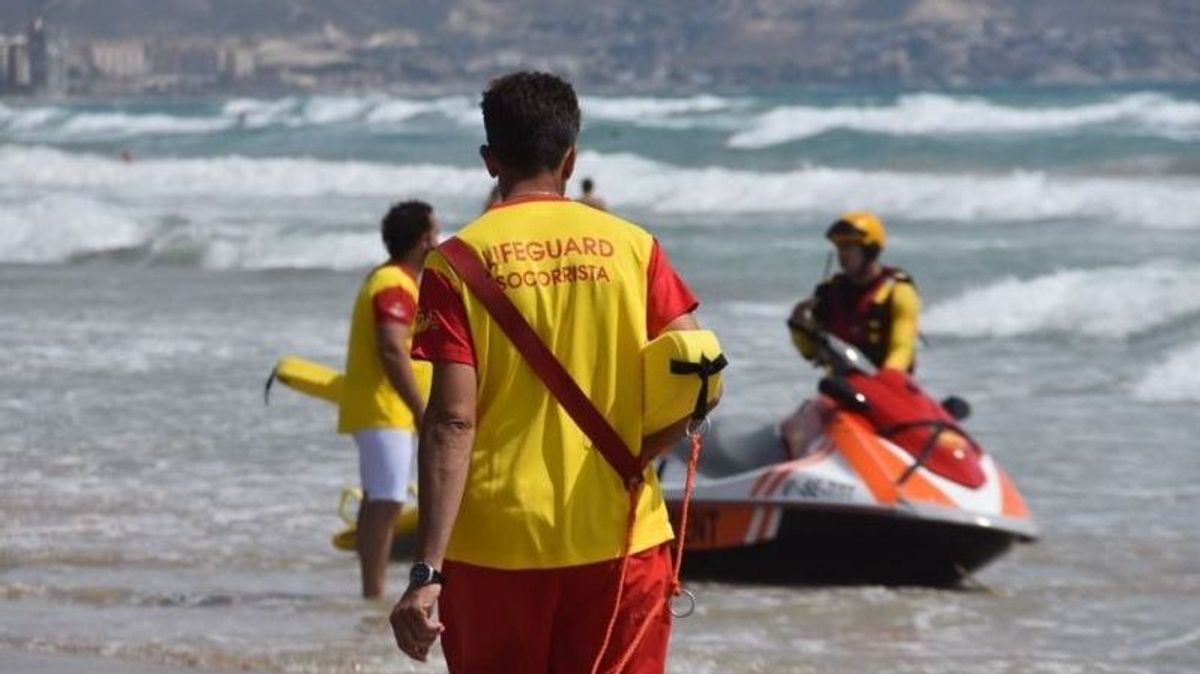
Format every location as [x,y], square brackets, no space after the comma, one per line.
[542,361]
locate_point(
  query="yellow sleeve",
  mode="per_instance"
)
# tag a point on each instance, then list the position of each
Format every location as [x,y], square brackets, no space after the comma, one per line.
[804,344]
[906,309]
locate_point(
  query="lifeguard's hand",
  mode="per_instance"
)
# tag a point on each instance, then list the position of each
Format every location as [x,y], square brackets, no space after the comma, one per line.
[802,318]
[413,623]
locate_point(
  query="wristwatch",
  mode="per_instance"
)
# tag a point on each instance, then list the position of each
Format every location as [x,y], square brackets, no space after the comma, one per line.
[422,574]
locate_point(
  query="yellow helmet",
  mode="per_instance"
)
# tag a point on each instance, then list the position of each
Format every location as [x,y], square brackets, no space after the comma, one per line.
[861,227]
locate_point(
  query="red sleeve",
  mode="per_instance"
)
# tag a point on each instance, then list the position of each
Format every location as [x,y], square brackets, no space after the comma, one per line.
[443,333]
[667,296]
[394,305]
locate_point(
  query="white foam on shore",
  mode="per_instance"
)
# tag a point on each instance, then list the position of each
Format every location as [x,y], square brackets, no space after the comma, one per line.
[1110,302]
[1149,114]
[1174,379]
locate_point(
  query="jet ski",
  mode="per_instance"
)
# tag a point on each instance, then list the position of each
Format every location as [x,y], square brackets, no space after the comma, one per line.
[871,482]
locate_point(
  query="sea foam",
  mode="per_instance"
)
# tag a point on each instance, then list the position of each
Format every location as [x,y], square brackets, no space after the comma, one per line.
[632,182]
[1149,114]
[1108,302]
[752,123]
[1175,379]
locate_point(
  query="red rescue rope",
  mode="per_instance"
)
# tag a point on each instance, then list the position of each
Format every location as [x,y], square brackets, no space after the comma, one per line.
[674,588]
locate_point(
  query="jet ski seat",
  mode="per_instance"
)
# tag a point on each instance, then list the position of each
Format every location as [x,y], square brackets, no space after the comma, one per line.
[735,446]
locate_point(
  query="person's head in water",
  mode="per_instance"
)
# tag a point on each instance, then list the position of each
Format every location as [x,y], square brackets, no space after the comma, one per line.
[859,237]
[409,232]
[531,120]
[588,195]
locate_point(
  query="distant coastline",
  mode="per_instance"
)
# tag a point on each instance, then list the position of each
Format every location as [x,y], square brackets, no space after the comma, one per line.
[318,46]
[473,88]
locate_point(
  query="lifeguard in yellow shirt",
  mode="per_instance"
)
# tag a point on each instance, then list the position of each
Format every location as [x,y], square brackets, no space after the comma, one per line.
[873,307]
[382,400]
[524,524]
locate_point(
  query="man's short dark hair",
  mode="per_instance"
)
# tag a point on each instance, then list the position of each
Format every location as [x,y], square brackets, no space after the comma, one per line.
[404,224]
[531,120]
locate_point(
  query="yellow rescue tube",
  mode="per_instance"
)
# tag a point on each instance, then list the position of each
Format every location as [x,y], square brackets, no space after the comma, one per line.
[309,378]
[671,367]
[321,381]
[404,527]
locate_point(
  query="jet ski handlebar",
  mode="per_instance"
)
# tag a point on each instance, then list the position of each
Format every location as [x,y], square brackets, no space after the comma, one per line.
[838,355]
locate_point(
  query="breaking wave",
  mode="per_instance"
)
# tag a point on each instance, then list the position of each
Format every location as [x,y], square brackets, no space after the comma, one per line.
[86,203]
[1148,114]
[751,122]
[56,228]
[633,182]
[232,175]
[1110,302]
[1019,196]
[57,124]
[1175,379]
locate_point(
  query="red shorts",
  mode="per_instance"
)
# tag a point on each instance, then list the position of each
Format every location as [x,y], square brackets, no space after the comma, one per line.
[553,620]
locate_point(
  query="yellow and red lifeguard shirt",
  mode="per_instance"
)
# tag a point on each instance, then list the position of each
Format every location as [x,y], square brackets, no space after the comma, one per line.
[596,289]
[388,295]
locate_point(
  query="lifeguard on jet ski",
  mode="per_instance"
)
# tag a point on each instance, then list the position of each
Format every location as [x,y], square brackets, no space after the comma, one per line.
[871,481]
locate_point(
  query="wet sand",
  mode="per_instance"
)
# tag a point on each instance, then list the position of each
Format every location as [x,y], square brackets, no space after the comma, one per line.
[54,663]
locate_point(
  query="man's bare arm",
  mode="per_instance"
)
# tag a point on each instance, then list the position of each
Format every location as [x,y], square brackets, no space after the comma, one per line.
[397,364]
[444,456]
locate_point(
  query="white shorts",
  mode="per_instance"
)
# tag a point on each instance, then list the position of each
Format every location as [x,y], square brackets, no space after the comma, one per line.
[384,463]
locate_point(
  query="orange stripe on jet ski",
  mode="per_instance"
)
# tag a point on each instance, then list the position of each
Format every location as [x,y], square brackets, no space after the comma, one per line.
[1011,503]
[853,438]
[917,487]
[879,468]
[716,526]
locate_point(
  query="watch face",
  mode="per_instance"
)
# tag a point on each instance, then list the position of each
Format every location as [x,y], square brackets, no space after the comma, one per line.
[420,574]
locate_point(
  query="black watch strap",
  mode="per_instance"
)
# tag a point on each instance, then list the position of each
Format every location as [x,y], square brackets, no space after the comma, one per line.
[422,574]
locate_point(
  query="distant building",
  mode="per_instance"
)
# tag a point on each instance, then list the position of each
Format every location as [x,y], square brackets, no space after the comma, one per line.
[33,63]
[47,60]
[237,63]
[118,59]
[16,65]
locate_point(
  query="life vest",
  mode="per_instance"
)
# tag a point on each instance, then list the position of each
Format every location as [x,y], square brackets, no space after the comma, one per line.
[861,316]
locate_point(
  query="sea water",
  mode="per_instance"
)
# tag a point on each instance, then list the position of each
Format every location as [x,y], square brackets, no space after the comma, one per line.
[157,257]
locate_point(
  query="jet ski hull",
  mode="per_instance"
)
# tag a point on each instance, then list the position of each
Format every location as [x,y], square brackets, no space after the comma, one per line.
[814,546]
[855,508]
